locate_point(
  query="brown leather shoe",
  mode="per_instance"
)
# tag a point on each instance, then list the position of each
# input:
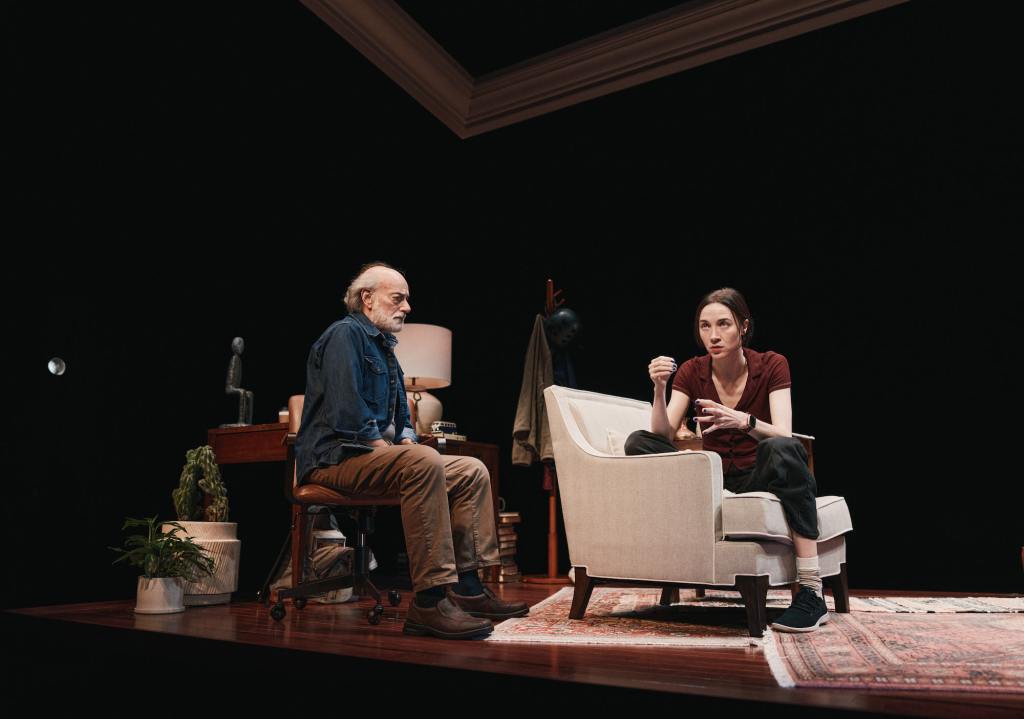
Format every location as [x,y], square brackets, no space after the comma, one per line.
[488,605]
[446,621]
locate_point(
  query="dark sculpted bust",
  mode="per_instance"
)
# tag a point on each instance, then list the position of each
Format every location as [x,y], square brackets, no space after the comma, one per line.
[234,385]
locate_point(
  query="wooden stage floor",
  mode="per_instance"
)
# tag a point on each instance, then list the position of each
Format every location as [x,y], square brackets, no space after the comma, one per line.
[84,642]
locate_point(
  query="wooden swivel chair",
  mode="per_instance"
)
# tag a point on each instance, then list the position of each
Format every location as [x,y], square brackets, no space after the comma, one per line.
[302,497]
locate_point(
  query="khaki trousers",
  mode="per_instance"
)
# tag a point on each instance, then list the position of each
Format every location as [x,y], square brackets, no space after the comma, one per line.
[447,510]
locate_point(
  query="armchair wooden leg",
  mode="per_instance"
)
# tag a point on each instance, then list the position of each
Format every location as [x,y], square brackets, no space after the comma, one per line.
[837,584]
[755,597]
[669,596]
[584,587]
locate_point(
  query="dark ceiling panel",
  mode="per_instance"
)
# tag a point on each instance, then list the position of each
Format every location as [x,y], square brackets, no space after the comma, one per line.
[488,36]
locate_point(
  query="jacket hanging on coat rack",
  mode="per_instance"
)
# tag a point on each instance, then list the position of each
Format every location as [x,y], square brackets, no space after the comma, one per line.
[530,431]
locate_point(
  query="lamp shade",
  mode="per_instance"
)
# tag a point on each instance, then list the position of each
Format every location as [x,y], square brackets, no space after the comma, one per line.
[425,353]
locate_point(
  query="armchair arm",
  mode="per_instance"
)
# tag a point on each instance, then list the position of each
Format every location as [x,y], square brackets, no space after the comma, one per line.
[643,517]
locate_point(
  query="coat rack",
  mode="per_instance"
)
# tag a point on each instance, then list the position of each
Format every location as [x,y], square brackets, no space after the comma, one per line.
[551,303]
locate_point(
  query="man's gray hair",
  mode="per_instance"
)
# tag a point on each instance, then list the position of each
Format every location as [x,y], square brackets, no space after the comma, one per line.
[366,279]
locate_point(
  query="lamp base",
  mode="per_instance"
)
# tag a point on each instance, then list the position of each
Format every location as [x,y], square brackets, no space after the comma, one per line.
[428,411]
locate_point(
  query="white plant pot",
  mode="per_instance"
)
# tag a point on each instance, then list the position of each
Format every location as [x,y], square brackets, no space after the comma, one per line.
[160,595]
[220,540]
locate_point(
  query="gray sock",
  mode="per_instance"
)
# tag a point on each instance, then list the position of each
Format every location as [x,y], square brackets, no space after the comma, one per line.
[807,574]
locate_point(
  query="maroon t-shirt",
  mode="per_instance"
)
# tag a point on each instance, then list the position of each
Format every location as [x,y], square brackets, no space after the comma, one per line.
[766,372]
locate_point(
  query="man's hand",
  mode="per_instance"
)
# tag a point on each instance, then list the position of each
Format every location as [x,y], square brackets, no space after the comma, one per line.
[406,440]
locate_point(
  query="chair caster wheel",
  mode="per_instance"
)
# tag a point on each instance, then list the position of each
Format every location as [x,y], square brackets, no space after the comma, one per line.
[277,611]
[394,597]
[300,602]
[375,614]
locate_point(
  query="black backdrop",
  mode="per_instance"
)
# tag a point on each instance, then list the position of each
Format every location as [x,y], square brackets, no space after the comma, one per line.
[216,172]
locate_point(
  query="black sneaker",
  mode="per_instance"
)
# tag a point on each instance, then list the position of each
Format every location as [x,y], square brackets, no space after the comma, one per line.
[805,614]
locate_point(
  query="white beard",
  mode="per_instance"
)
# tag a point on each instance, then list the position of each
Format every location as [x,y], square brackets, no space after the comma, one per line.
[386,322]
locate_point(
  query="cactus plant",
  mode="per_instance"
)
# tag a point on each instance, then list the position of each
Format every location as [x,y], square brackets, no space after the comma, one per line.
[199,476]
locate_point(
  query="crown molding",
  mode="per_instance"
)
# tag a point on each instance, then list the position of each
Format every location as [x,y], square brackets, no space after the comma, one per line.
[402,50]
[693,34]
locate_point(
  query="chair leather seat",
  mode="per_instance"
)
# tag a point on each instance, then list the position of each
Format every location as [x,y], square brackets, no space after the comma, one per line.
[318,494]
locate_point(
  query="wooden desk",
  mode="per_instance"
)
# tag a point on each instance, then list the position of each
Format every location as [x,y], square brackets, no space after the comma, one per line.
[255,443]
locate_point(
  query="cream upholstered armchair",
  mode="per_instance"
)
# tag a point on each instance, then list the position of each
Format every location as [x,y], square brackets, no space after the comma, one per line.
[664,520]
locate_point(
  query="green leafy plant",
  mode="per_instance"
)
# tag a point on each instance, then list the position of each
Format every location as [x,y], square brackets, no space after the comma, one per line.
[200,476]
[163,554]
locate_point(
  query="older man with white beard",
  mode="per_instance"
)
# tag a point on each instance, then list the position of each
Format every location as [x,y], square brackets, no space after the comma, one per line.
[356,437]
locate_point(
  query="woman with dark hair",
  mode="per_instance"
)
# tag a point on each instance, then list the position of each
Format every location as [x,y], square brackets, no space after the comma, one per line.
[741,402]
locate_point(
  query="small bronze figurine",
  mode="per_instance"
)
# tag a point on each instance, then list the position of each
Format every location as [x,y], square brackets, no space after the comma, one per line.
[233,385]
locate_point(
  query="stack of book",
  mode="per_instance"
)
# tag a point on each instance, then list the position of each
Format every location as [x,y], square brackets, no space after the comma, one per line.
[449,435]
[507,546]
[446,430]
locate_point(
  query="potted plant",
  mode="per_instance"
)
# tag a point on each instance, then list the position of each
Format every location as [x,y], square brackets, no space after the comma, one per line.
[207,523]
[167,561]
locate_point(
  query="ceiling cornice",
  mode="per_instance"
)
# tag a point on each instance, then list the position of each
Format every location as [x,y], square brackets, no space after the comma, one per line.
[663,44]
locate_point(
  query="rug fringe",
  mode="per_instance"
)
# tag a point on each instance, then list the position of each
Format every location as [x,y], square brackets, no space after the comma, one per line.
[553,598]
[775,663]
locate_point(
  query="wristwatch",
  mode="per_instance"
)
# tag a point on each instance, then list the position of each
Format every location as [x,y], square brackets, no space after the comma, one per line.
[751,422]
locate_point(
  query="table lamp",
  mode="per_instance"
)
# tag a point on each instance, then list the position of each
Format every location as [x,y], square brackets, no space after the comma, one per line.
[425,353]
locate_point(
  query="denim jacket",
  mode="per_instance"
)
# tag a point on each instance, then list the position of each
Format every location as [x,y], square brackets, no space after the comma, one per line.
[353,385]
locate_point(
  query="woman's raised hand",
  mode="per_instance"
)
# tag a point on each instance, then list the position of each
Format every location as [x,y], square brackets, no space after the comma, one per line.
[660,369]
[713,416]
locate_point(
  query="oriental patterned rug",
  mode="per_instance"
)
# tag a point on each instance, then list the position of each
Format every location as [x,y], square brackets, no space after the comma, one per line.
[971,652]
[625,616]
[910,643]
[780,599]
